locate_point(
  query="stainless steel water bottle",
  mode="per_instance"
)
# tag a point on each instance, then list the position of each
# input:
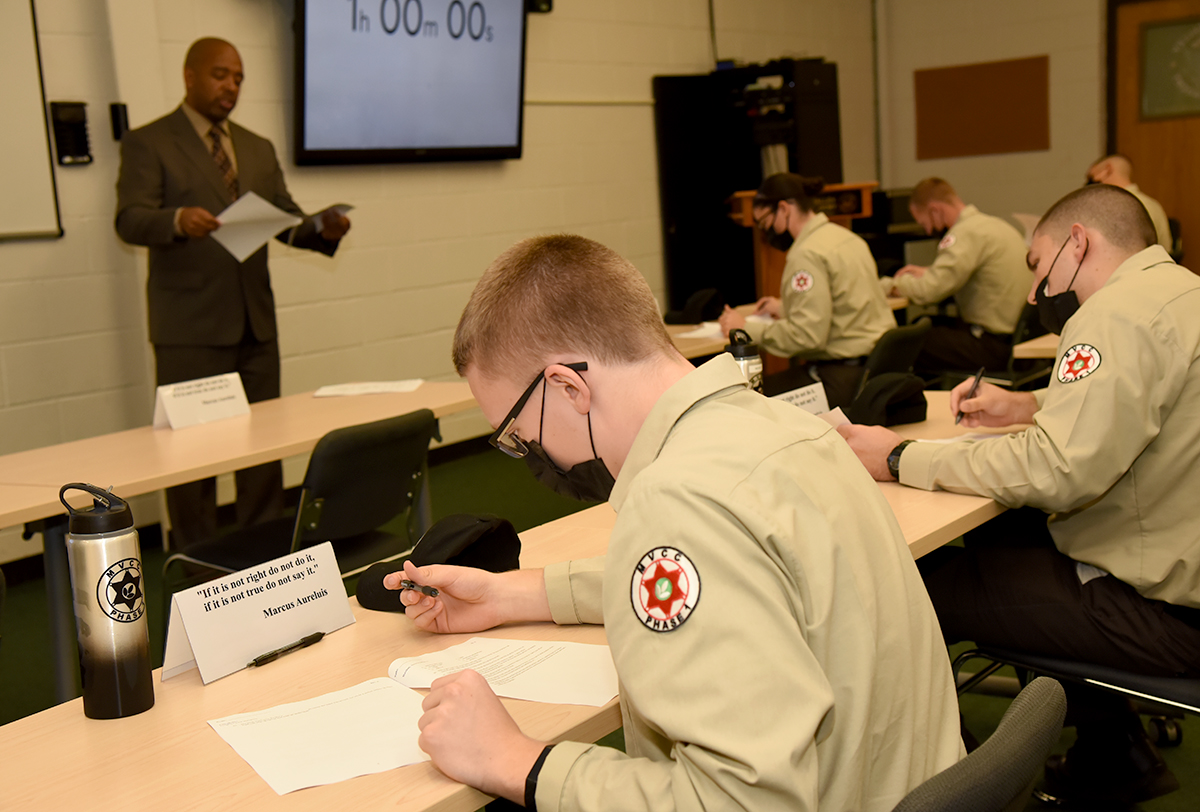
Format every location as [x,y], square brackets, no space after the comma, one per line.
[110,605]
[745,352]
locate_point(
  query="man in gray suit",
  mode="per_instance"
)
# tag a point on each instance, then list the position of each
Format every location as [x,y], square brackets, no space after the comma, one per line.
[210,314]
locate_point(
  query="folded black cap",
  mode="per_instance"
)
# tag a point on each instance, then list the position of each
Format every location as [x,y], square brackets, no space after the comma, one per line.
[482,541]
[703,305]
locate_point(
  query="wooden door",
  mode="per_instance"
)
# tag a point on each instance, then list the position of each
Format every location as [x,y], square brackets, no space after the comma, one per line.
[1165,150]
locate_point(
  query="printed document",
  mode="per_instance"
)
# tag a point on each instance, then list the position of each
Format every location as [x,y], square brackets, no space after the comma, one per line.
[540,671]
[368,388]
[249,223]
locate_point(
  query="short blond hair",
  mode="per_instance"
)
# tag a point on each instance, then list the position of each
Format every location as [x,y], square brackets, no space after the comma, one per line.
[558,294]
[931,189]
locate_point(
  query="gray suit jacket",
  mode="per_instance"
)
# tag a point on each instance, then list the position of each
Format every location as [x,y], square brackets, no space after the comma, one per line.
[198,294]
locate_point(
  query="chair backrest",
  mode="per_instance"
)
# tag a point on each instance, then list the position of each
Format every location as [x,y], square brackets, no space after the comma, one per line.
[998,776]
[361,477]
[896,350]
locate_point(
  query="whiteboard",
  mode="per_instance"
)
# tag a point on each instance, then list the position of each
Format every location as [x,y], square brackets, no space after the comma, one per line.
[29,205]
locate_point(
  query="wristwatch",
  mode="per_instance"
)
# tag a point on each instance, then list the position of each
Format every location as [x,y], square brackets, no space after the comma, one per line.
[893,459]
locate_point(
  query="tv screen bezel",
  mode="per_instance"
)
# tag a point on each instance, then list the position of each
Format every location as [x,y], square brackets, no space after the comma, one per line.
[326,157]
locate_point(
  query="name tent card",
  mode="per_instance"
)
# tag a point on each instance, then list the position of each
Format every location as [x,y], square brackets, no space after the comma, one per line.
[221,626]
[810,398]
[203,400]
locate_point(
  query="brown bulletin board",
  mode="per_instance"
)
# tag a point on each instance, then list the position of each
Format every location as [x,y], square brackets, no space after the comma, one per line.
[983,109]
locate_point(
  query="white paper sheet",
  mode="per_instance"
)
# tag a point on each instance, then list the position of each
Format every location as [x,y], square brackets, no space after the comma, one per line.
[563,673]
[835,418]
[958,439]
[712,329]
[368,388]
[249,223]
[369,728]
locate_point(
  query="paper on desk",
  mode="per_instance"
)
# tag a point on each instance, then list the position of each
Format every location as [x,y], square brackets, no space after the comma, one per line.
[366,729]
[368,388]
[249,223]
[959,438]
[712,329]
[835,418]
[563,673]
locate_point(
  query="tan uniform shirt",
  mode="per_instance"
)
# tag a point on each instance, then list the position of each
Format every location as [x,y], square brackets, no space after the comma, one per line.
[1115,452]
[775,645]
[981,261]
[831,306]
[1158,215]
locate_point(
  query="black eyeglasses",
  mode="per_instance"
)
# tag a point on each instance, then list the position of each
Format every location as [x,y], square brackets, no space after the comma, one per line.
[505,437]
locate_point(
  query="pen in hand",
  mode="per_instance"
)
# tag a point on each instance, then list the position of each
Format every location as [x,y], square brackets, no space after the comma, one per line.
[424,590]
[970,394]
[303,642]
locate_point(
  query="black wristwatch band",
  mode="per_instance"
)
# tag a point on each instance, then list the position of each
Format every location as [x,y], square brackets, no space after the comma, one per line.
[893,459]
[531,779]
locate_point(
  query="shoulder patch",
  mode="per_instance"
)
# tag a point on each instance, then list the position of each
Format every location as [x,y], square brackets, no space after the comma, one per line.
[665,589]
[802,281]
[946,242]
[1078,362]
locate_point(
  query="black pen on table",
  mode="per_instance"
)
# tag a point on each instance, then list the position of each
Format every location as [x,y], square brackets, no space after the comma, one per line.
[970,393]
[303,642]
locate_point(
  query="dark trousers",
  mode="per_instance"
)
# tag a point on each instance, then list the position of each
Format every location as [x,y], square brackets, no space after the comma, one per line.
[1010,587]
[193,507]
[953,346]
[840,380]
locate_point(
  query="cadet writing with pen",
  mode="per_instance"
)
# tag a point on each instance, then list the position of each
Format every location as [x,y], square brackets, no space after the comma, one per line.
[830,311]
[970,394]
[731,511]
[1098,564]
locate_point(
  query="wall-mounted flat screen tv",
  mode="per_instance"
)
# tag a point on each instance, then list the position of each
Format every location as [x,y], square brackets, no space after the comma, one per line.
[392,81]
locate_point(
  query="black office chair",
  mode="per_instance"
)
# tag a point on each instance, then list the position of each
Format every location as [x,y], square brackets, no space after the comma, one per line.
[359,479]
[1020,373]
[999,775]
[896,351]
[1176,251]
[1165,699]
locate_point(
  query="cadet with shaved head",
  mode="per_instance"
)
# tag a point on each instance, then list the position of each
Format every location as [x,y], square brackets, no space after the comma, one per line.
[209,313]
[1103,564]
[1117,170]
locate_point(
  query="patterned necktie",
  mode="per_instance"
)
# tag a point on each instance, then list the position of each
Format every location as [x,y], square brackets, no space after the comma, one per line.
[224,165]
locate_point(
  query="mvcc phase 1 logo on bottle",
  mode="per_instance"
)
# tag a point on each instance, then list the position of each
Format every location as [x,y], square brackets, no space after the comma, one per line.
[119,591]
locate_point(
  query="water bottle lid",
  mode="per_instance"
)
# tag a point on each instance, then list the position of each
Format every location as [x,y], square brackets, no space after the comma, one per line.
[109,513]
[740,345]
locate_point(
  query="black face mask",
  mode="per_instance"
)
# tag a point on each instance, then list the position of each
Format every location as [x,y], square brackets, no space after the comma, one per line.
[781,241]
[588,481]
[1054,311]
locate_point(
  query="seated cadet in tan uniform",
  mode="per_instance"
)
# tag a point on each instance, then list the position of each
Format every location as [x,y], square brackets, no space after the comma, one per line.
[830,312]
[775,647]
[1117,170]
[981,262]
[1113,461]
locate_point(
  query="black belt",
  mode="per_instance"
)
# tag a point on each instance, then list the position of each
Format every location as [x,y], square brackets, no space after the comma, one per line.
[979,332]
[841,362]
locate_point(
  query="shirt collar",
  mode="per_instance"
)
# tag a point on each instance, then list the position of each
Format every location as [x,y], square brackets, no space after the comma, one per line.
[1146,258]
[202,124]
[812,224]
[717,377]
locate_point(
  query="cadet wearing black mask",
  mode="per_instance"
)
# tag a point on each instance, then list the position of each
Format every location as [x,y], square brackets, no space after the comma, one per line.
[830,312]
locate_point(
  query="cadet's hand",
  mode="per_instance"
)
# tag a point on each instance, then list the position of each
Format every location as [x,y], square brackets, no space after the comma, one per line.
[471,738]
[333,225]
[768,305]
[992,405]
[872,444]
[197,222]
[471,600]
[911,270]
[730,319]
[888,285]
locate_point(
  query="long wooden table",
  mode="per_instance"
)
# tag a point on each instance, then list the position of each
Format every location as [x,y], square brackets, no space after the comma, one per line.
[169,756]
[1045,346]
[145,459]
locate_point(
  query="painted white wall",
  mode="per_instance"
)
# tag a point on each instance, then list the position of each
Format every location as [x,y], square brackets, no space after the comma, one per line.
[74,361]
[917,34]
